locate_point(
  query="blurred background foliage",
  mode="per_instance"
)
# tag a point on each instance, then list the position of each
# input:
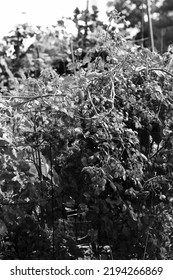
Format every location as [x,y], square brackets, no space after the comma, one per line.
[136,15]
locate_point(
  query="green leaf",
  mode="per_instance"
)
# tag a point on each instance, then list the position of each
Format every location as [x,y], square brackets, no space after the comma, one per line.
[113,186]
[4,188]
[24,165]
[69,80]
[92,75]
[72,66]
[5,175]
[133,215]
[86,60]
[3,228]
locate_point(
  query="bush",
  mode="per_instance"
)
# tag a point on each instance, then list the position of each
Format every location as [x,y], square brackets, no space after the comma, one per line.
[86,159]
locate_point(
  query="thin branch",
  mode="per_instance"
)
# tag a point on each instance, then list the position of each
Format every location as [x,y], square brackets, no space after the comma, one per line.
[73,58]
[146,244]
[153,178]
[158,69]
[33,98]
[113,99]
[157,152]
[89,95]
[162,70]
[52,200]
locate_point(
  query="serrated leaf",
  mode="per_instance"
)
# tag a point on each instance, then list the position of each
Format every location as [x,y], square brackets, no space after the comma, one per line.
[91,76]
[133,215]
[7,175]
[33,170]
[82,81]
[3,228]
[118,201]
[158,88]
[4,188]
[86,60]
[72,66]
[113,186]
[23,165]
[3,142]
[69,80]
[70,114]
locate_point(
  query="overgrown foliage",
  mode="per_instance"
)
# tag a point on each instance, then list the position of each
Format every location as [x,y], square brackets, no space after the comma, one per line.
[86,158]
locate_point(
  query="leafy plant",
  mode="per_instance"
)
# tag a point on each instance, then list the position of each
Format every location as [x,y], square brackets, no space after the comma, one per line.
[85,158]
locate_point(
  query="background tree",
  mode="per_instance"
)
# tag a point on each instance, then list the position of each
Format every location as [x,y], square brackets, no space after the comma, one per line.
[136,14]
[165,24]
